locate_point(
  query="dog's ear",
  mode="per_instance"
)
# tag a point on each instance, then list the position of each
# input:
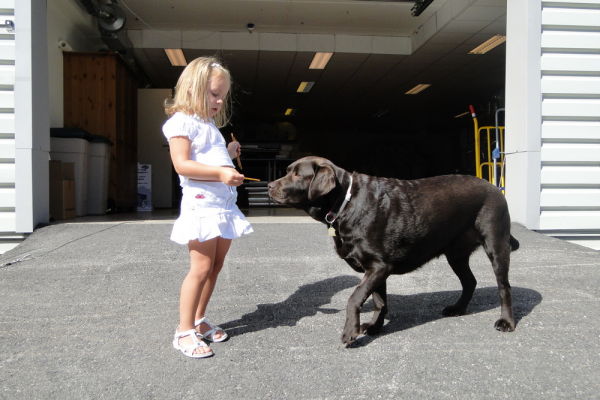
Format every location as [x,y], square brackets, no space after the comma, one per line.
[322,183]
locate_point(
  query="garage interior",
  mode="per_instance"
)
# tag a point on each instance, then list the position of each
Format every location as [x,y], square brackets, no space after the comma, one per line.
[356,110]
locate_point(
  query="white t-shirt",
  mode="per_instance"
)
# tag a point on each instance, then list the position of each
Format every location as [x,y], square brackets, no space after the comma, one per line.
[208,209]
[208,145]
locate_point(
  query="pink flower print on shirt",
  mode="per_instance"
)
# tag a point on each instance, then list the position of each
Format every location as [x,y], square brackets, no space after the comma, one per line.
[199,196]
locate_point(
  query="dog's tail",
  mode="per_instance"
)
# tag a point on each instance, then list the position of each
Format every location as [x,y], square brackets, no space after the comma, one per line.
[514,243]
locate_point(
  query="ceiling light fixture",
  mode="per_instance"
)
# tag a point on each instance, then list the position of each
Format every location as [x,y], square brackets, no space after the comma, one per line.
[320,60]
[419,88]
[305,87]
[176,57]
[289,111]
[489,44]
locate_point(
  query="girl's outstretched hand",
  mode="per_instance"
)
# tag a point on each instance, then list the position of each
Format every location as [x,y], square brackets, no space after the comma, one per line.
[231,177]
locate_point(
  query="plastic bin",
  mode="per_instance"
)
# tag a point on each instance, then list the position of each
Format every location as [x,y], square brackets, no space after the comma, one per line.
[74,150]
[98,173]
[91,157]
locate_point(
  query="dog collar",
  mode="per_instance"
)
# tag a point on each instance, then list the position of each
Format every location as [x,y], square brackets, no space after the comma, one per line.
[331,216]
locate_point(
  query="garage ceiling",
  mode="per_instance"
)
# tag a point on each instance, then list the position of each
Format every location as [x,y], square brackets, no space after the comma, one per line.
[380,52]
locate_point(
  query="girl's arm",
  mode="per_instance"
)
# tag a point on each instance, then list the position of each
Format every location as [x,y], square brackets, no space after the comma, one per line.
[180,146]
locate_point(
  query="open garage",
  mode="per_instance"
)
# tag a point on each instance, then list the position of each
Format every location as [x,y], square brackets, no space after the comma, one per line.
[356,108]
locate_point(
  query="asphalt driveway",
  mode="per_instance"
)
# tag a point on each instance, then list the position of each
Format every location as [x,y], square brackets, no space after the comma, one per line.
[88,310]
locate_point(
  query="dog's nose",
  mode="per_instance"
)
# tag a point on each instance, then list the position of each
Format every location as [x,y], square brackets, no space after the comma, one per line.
[271,185]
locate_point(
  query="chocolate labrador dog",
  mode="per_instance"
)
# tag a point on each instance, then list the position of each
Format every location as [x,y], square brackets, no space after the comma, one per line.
[384,226]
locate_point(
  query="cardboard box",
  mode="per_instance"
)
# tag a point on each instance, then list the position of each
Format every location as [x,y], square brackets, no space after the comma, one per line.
[62,190]
[55,189]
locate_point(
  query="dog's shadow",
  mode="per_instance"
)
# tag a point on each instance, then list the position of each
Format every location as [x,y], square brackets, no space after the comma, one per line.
[405,312]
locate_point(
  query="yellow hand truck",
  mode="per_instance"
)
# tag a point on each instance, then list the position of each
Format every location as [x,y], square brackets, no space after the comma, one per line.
[489,150]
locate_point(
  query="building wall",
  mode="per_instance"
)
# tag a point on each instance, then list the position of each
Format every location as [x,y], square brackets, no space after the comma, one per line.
[522,119]
[8,236]
[570,135]
[32,142]
[553,117]
[31,100]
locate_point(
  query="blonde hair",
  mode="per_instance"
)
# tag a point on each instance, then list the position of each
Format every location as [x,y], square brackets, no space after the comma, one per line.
[191,91]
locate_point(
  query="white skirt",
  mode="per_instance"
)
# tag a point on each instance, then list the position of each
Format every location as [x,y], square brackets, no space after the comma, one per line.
[204,217]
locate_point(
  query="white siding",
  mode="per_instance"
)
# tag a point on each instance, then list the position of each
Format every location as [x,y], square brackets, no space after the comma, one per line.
[7,131]
[575,85]
[7,220]
[576,197]
[7,124]
[569,108]
[578,130]
[7,175]
[557,63]
[570,151]
[569,41]
[7,198]
[7,150]
[569,176]
[572,17]
[7,99]
[7,74]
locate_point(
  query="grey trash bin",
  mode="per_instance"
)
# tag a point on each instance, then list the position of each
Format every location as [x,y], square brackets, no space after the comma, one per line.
[98,174]
[91,156]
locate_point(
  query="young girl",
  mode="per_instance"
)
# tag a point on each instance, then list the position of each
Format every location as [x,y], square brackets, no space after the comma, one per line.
[209,217]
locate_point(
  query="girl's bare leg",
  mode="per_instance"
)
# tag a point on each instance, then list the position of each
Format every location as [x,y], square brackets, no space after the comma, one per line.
[202,256]
[221,250]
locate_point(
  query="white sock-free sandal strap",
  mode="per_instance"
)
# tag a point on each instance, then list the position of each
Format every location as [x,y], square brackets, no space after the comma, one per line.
[181,334]
[188,349]
[209,335]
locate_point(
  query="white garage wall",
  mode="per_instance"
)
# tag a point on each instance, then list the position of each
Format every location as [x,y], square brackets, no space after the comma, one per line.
[553,117]
[570,132]
[8,237]
[523,113]
[31,95]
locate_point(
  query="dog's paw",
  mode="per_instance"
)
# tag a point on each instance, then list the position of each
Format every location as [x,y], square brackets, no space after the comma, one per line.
[454,311]
[349,337]
[370,329]
[503,325]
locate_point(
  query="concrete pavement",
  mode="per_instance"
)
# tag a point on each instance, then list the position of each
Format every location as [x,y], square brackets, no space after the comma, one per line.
[89,307]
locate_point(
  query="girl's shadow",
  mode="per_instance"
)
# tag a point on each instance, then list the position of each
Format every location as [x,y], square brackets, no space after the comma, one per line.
[304,302]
